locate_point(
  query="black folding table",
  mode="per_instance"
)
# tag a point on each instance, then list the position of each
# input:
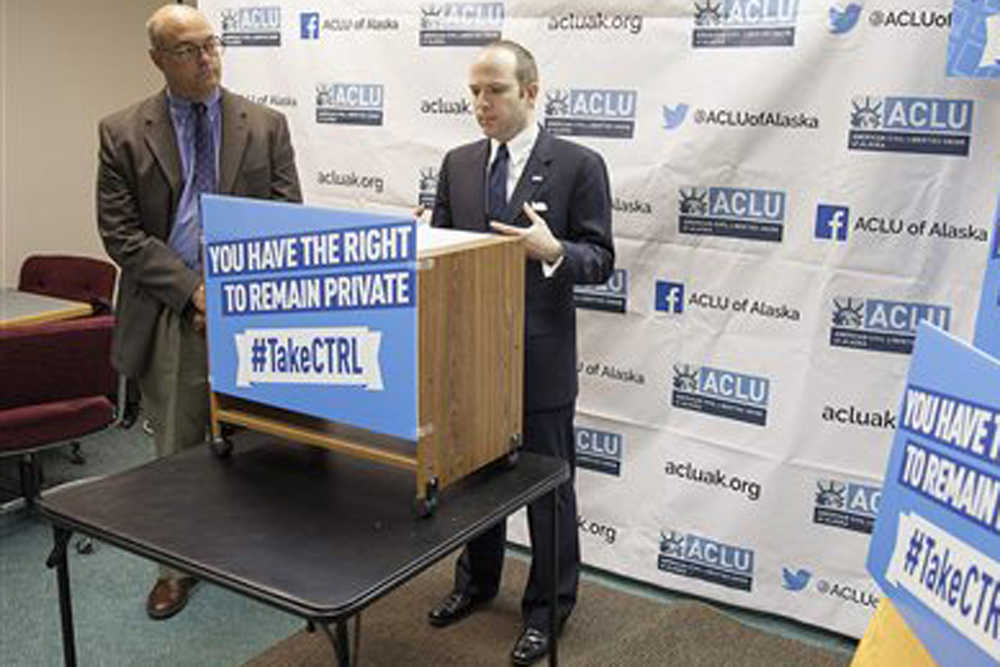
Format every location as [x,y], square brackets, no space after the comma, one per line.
[314,533]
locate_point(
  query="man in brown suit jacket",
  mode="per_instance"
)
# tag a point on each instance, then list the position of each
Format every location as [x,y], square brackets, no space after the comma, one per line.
[156,157]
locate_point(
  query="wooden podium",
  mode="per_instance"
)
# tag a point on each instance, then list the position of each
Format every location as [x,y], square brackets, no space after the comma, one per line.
[470,358]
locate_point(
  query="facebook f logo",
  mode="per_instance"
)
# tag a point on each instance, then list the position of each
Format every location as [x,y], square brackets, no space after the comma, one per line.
[669,297]
[832,222]
[309,25]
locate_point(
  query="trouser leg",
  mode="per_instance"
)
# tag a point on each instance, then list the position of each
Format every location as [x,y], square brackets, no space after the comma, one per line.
[175,390]
[551,433]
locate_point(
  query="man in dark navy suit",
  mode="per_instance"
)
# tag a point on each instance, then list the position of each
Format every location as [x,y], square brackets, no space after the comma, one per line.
[554,194]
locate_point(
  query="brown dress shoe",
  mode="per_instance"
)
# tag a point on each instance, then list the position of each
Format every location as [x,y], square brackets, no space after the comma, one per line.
[168,597]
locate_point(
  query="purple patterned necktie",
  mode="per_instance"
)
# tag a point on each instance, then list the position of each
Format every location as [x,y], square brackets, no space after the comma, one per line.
[204,164]
[204,151]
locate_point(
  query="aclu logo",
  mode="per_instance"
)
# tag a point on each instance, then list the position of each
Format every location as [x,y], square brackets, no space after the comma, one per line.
[349,103]
[880,325]
[251,26]
[744,23]
[600,451]
[669,297]
[843,20]
[689,555]
[928,125]
[611,296]
[673,117]
[591,112]
[798,580]
[721,393]
[461,23]
[909,18]
[846,505]
[745,213]
[833,221]
[427,186]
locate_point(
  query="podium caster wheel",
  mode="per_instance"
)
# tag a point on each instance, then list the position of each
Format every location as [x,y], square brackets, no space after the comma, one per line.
[511,458]
[221,447]
[428,504]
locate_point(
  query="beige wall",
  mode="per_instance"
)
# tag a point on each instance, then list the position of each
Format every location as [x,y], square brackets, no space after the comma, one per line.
[63,65]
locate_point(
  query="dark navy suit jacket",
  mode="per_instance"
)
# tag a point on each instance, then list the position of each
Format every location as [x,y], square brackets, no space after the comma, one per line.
[572,181]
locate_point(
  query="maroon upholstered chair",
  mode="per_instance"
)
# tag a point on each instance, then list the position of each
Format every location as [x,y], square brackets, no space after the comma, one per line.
[69,277]
[57,379]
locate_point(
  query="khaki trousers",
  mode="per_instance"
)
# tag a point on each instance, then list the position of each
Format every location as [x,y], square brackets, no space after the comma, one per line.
[175,390]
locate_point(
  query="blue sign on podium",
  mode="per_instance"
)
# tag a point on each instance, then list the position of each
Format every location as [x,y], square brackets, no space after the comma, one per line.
[974,40]
[987,336]
[936,547]
[313,310]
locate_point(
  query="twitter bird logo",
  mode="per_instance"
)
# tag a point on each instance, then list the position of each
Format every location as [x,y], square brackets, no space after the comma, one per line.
[673,117]
[842,20]
[795,581]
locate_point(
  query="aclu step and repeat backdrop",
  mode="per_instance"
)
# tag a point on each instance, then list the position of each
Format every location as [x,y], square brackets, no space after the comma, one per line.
[796,185]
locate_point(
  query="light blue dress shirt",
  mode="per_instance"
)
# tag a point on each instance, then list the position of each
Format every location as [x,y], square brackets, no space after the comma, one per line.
[185,234]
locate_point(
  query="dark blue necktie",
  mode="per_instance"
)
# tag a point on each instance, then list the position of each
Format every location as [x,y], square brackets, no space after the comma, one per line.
[497,187]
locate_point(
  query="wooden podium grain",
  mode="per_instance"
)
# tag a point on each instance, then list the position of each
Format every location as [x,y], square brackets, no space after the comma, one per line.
[470,369]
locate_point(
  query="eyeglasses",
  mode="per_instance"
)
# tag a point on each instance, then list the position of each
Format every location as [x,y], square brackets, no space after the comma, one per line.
[212,46]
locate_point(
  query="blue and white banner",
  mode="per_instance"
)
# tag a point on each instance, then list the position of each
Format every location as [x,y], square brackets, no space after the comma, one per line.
[936,547]
[313,310]
[794,187]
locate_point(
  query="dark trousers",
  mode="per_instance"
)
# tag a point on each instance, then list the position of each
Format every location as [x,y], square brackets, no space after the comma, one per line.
[478,569]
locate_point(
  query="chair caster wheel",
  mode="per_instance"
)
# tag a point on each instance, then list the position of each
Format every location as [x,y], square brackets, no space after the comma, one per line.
[75,455]
[84,546]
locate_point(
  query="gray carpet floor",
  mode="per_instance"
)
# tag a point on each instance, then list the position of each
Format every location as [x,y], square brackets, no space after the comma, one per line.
[608,627]
[617,622]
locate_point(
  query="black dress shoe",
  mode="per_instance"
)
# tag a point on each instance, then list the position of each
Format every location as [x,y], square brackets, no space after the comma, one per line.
[530,646]
[455,607]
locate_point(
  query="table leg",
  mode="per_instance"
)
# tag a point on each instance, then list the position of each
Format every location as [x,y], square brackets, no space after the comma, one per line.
[339,642]
[554,592]
[57,559]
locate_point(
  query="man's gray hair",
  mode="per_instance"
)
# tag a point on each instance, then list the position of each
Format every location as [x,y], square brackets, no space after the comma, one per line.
[166,13]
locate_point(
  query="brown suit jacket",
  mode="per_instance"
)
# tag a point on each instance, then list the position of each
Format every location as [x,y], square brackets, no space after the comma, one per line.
[138,189]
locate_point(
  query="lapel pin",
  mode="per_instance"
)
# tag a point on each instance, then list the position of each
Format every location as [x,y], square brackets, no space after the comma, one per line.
[536,178]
